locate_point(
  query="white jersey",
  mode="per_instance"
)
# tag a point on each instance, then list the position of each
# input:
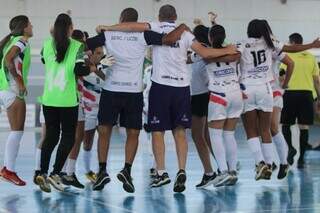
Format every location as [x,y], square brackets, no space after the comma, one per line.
[170,63]
[223,77]
[199,78]
[128,50]
[92,85]
[256,61]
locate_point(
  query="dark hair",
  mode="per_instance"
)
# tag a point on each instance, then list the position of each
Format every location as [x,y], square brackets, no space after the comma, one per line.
[129,15]
[257,29]
[201,33]
[167,13]
[267,26]
[217,35]
[60,35]
[86,34]
[16,26]
[78,35]
[296,38]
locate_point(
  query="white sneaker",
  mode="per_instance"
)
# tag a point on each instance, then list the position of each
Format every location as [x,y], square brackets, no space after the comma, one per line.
[223,179]
[55,181]
[234,178]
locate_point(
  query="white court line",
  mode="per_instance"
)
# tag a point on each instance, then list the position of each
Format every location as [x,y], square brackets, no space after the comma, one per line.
[101,203]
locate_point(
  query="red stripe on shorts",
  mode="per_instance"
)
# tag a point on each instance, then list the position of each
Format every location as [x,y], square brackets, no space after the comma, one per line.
[277,93]
[218,100]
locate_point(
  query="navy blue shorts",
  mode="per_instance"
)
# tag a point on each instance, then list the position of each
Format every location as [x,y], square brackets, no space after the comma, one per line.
[169,107]
[121,106]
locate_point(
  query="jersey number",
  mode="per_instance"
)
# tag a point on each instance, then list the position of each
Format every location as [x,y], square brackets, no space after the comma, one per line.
[57,80]
[259,57]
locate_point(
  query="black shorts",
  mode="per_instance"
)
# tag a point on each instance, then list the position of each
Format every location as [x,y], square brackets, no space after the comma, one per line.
[297,105]
[169,107]
[121,106]
[199,105]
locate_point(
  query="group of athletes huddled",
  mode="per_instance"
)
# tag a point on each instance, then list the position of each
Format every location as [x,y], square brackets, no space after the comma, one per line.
[197,80]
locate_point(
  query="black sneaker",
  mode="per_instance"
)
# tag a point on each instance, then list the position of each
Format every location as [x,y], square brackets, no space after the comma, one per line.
[179,183]
[207,180]
[300,163]
[126,179]
[291,153]
[36,174]
[72,180]
[283,171]
[102,179]
[160,180]
[274,166]
[61,174]
[153,173]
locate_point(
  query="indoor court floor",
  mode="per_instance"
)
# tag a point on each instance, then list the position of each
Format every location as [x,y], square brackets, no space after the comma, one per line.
[299,192]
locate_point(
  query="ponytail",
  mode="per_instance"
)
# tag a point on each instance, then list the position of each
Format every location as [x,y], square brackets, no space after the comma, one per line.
[257,29]
[217,36]
[61,35]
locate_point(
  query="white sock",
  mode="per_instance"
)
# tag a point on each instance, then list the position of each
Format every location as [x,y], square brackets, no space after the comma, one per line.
[231,149]
[218,148]
[38,159]
[87,160]
[267,150]
[160,172]
[12,149]
[71,166]
[281,146]
[64,168]
[255,147]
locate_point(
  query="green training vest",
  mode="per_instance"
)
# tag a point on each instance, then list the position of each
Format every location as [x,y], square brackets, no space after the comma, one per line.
[60,87]
[4,72]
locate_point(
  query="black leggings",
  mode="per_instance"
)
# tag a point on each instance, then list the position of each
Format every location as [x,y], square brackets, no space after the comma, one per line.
[56,118]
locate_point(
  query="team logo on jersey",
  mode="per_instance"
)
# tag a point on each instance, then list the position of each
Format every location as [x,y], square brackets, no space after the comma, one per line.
[155,120]
[184,118]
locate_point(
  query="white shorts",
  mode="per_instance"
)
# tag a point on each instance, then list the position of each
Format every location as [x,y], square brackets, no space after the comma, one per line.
[277,99]
[91,119]
[259,97]
[7,97]
[81,115]
[228,105]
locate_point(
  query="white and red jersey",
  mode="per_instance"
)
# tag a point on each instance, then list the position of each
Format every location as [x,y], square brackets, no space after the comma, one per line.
[223,77]
[256,60]
[92,87]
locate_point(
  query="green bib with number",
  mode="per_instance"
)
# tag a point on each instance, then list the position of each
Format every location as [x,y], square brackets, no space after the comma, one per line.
[4,72]
[60,87]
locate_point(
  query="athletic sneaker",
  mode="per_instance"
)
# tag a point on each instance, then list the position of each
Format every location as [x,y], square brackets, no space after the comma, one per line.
[274,166]
[268,172]
[11,177]
[261,169]
[43,183]
[291,153]
[72,180]
[102,179]
[207,180]
[36,173]
[179,183]
[234,178]
[223,179]
[126,179]
[91,176]
[160,180]
[283,171]
[153,173]
[56,182]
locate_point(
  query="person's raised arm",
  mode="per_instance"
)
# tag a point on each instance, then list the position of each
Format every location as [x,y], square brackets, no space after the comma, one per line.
[125,27]
[226,58]
[175,35]
[290,66]
[301,47]
[209,53]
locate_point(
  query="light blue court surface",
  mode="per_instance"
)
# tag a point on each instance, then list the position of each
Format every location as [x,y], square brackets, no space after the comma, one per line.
[300,192]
